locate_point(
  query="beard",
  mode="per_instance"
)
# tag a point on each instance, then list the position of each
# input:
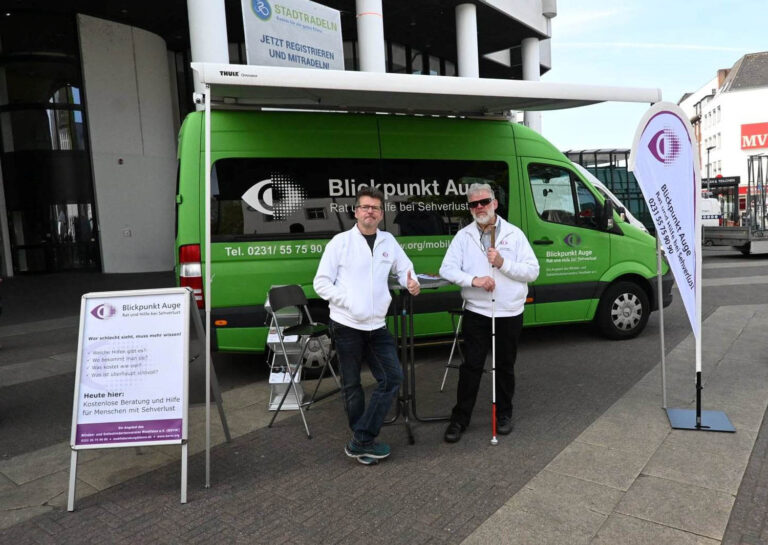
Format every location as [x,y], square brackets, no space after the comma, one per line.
[482,218]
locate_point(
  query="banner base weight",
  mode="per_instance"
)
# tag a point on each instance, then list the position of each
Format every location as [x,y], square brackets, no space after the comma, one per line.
[685,419]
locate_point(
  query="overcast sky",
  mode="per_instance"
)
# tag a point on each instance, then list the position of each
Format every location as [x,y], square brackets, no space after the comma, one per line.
[674,45]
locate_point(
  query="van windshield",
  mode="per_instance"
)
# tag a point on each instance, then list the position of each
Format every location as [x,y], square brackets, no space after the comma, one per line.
[267,199]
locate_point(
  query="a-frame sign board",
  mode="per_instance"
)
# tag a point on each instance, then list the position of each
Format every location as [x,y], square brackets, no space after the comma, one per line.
[132,376]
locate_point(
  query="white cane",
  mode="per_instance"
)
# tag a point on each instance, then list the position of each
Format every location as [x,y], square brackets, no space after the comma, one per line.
[494,441]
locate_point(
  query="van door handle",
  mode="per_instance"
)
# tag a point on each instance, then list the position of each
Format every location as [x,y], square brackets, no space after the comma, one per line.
[544,241]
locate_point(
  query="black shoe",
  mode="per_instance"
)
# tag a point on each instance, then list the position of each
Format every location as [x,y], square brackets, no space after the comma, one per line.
[453,432]
[504,426]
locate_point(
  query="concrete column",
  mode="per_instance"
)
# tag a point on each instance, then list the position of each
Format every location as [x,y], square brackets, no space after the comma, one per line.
[531,72]
[370,36]
[466,41]
[207,33]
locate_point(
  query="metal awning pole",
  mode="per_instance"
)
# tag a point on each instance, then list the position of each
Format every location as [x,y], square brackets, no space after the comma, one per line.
[207,292]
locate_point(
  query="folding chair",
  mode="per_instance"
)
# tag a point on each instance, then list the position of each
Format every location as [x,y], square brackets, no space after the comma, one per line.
[293,296]
[456,342]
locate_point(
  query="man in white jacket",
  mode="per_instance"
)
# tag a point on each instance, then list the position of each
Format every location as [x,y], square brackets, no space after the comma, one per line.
[352,276]
[468,263]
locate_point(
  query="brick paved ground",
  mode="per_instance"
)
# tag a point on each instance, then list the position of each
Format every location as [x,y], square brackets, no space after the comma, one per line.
[748,524]
[275,486]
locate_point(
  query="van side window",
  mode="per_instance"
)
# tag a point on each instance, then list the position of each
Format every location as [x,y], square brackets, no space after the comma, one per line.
[560,197]
[256,198]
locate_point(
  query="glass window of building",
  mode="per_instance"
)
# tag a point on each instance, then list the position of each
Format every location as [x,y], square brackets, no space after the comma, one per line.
[350,57]
[399,64]
[434,66]
[44,149]
[417,62]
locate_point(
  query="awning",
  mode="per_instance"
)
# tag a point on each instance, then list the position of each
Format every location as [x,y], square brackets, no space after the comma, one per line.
[283,87]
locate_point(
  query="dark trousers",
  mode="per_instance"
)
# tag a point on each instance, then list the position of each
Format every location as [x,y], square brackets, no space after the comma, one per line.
[477,344]
[377,349]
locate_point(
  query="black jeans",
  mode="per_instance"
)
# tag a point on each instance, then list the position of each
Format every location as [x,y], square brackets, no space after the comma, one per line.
[477,344]
[377,348]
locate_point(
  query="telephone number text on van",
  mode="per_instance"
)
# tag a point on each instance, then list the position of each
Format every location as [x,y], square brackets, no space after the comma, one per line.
[274,249]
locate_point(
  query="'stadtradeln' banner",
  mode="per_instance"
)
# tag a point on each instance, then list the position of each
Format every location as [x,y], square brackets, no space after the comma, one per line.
[667,169]
[296,33]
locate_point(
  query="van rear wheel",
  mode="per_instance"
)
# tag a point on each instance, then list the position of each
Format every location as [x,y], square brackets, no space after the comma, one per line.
[623,311]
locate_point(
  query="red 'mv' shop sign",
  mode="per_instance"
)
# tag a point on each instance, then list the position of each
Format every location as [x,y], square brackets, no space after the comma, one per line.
[754,136]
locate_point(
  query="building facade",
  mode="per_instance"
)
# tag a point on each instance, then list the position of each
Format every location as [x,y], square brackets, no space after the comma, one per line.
[92,95]
[730,119]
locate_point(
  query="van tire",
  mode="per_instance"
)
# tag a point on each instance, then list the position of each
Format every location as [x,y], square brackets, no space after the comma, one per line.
[623,311]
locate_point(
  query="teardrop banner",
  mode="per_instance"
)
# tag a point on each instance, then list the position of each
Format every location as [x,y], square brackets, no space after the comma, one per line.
[666,166]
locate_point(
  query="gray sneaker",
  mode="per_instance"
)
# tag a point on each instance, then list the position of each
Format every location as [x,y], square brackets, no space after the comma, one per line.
[376,451]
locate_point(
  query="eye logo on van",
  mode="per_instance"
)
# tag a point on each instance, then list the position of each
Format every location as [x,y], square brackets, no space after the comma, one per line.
[572,240]
[262,9]
[665,146]
[278,196]
[104,311]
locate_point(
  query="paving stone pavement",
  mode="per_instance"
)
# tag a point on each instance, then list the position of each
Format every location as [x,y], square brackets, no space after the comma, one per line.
[627,478]
[748,524]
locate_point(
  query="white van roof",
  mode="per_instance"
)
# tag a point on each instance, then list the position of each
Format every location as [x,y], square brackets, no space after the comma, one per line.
[288,87]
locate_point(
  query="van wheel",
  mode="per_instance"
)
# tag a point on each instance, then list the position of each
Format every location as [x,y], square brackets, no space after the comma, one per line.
[313,373]
[745,249]
[623,311]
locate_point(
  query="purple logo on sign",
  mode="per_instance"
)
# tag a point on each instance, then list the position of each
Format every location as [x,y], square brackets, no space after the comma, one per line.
[665,146]
[104,311]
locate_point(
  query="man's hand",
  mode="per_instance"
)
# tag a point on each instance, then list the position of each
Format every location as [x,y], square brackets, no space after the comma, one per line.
[485,282]
[494,257]
[412,285]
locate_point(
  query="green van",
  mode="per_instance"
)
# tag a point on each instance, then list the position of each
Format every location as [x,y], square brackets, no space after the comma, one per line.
[283,183]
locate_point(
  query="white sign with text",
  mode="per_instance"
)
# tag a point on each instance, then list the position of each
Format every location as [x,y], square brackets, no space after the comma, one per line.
[131,384]
[296,33]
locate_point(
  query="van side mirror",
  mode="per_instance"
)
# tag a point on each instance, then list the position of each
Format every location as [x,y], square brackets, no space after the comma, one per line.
[606,217]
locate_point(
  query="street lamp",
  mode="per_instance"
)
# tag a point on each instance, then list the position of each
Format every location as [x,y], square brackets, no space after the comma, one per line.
[710,148]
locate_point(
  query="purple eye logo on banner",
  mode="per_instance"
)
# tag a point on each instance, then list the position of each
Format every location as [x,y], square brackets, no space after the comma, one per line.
[665,146]
[104,311]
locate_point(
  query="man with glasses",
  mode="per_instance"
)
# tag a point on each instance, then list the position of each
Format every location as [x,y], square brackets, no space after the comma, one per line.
[352,276]
[468,263]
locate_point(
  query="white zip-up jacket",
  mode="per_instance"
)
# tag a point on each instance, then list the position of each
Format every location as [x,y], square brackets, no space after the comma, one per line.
[466,259]
[354,281]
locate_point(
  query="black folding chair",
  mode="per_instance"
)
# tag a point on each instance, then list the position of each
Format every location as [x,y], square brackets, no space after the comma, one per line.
[293,296]
[457,340]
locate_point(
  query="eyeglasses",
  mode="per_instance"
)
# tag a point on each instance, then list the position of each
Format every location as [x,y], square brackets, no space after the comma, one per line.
[369,208]
[481,202]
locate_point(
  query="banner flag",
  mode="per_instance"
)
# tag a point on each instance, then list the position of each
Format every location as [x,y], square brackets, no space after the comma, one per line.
[666,166]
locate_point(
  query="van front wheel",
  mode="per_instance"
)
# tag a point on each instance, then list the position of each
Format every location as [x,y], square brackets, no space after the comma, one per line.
[623,311]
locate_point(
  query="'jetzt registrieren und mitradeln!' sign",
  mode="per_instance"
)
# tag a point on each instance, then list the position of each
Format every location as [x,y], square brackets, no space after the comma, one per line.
[296,33]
